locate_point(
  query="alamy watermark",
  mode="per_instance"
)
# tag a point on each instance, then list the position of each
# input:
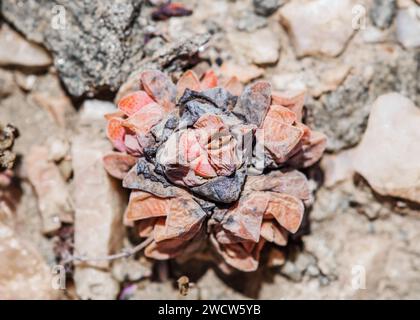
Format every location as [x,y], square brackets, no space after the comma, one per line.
[358,277]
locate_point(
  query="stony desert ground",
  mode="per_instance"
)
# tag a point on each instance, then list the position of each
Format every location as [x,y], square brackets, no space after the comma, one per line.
[64,64]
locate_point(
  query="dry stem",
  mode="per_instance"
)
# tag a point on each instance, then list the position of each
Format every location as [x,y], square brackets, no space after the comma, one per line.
[123,254]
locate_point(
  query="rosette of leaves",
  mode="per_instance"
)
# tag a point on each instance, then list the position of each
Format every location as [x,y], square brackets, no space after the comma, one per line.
[210,162]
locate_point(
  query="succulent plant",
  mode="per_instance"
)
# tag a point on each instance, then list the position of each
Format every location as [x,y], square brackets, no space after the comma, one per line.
[211,162]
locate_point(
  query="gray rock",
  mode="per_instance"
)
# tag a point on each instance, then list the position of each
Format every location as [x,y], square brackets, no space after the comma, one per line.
[153,45]
[173,57]
[7,85]
[261,47]
[383,12]
[95,284]
[266,7]
[131,269]
[24,274]
[342,114]
[94,44]
[54,199]
[380,163]
[318,27]
[408,28]
[17,51]
[249,21]
[295,269]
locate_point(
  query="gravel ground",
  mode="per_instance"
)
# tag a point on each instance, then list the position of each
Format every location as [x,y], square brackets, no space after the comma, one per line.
[64,64]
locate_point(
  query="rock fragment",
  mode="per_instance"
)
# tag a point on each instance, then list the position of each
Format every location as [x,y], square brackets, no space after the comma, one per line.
[93,284]
[54,200]
[7,84]
[98,202]
[266,7]
[108,35]
[388,155]
[170,58]
[408,28]
[261,46]
[249,21]
[23,272]
[383,13]
[320,27]
[17,51]
[131,269]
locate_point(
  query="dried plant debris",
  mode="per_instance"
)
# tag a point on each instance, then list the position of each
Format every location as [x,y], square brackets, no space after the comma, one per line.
[63,246]
[210,163]
[183,285]
[8,134]
[168,10]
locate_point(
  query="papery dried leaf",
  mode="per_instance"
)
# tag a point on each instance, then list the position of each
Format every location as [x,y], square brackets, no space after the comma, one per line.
[244,221]
[211,122]
[202,167]
[234,86]
[160,88]
[133,102]
[133,145]
[209,80]
[183,215]
[150,182]
[272,232]
[280,114]
[292,100]
[118,164]
[279,136]
[254,102]
[143,205]
[311,151]
[188,80]
[143,120]
[185,160]
[145,227]
[116,114]
[190,148]
[226,237]
[116,132]
[183,221]
[238,256]
[286,209]
[293,183]
[223,156]
[172,248]
[279,139]
[166,249]
[183,175]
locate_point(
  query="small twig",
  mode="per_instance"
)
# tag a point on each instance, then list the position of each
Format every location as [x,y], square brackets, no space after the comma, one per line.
[123,254]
